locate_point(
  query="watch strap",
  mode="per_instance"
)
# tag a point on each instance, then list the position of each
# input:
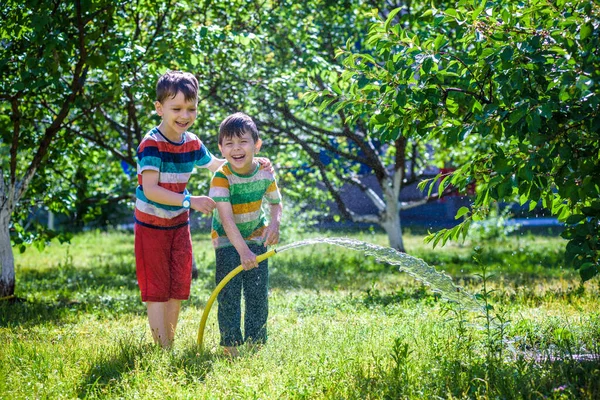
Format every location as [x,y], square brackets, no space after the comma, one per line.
[186,203]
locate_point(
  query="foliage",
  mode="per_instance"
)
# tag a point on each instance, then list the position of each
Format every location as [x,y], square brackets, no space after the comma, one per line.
[509,88]
[495,227]
[258,59]
[46,52]
[340,325]
[78,95]
[270,54]
[45,57]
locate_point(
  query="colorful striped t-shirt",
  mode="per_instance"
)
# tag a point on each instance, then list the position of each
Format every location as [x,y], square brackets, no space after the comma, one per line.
[175,163]
[245,193]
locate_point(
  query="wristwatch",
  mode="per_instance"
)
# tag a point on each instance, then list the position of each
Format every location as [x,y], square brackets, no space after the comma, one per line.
[186,201]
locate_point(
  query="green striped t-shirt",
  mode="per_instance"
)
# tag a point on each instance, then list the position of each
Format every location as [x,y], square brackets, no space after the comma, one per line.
[245,193]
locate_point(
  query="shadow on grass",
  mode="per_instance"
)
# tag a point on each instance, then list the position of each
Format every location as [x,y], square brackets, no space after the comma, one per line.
[321,267]
[108,286]
[69,277]
[313,270]
[110,366]
[28,313]
[374,297]
[63,293]
[194,362]
[513,262]
[129,355]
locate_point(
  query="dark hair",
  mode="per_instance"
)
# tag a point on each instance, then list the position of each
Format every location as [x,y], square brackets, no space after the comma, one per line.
[236,125]
[172,82]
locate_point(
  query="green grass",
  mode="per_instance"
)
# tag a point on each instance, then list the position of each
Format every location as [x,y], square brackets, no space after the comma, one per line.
[340,326]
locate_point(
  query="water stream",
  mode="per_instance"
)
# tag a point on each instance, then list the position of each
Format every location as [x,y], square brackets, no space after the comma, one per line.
[439,282]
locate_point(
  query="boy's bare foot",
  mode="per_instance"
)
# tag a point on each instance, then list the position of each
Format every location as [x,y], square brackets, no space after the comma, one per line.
[231,351]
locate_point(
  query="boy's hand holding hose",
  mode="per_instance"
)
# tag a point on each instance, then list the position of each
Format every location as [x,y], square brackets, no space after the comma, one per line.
[248,259]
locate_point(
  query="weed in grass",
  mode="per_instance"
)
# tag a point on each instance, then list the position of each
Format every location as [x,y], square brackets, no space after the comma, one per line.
[400,366]
[495,324]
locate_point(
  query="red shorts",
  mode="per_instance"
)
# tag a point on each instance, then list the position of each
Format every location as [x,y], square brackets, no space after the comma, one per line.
[163,262]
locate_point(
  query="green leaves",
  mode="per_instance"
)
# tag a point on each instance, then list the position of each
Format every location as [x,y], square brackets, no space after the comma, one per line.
[461,211]
[439,42]
[390,18]
[451,105]
[586,31]
[513,95]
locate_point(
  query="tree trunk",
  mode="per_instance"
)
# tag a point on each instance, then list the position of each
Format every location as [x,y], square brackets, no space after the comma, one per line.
[7,260]
[394,230]
[391,217]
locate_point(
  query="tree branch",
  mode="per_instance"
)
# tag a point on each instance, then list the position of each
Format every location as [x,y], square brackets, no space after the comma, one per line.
[348,214]
[79,76]
[16,120]
[469,92]
[370,193]
[370,218]
[327,146]
[365,145]
[3,197]
[104,144]
[412,204]
[288,114]
[399,165]
[481,86]
[114,199]
[120,128]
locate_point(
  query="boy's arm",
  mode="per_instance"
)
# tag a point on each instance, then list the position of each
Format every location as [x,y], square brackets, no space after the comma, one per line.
[247,257]
[164,196]
[216,164]
[271,235]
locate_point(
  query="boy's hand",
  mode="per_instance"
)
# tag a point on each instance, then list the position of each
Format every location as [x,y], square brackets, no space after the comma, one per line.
[204,204]
[266,163]
[248,259]
[271,234]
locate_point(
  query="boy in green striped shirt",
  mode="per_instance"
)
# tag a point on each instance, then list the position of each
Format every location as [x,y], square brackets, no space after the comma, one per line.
[240,231]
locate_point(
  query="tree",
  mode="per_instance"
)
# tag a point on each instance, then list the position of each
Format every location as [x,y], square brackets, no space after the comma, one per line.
[268,54]
[78,94]
[152,37]
[257,59]
[47,49]
[511,87]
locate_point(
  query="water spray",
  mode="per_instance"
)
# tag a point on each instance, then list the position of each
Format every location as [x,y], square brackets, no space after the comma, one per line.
[439,282]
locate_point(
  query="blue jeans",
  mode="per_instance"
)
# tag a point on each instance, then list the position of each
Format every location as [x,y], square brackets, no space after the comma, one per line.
[255,286]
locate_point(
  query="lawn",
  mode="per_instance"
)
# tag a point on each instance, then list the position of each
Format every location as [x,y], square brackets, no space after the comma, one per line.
[341,325]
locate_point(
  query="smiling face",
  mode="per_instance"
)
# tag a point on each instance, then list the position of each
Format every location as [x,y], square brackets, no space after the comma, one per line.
[178,114]
[239,151]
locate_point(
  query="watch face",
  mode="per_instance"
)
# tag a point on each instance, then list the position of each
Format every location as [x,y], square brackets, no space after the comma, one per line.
[186,203]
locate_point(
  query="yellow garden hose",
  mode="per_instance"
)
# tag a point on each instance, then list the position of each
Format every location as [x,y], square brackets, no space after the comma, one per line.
[220,286]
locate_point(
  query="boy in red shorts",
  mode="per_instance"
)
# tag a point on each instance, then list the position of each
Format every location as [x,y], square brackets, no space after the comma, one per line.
[167,156]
